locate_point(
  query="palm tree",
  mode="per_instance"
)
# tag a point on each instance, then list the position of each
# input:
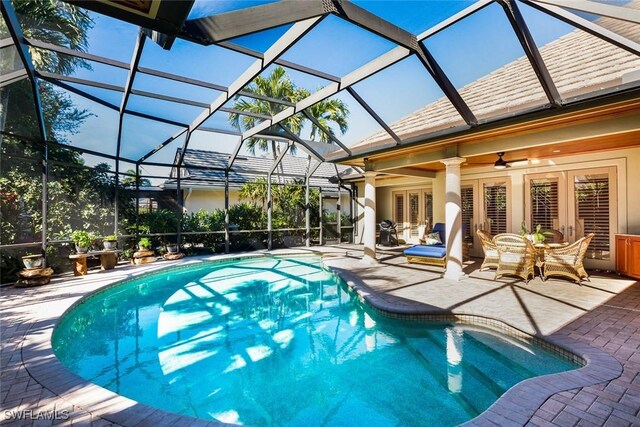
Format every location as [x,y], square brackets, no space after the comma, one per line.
[325,112]
[54,22]
[278,85]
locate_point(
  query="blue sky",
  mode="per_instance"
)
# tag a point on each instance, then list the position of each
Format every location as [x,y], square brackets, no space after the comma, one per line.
[466,51]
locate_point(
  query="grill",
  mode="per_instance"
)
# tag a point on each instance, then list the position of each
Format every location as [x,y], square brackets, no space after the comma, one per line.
[388,233]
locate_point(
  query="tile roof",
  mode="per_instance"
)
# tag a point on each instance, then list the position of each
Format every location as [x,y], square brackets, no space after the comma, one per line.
[578,63]
[248,168]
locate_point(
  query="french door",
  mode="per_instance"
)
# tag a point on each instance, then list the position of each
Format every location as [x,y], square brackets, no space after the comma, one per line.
[411,209]
[577,203]
[486,205]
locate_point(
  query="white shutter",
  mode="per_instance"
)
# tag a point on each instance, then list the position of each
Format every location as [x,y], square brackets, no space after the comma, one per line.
[495,207]
[544,204]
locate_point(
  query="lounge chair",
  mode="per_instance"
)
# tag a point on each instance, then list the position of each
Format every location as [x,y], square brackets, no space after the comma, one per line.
[516,256]
[567,261]
[429,254]
[491,257]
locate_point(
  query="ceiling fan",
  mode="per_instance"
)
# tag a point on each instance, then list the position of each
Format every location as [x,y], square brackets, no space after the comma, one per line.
[500,163]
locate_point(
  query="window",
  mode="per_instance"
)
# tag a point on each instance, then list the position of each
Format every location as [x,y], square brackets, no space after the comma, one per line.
[398,217]
[428,210]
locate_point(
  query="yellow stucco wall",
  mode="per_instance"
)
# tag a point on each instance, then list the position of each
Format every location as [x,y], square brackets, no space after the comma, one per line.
[208,200]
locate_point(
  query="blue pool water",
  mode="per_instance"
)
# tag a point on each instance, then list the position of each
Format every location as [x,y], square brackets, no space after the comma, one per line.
[281,342]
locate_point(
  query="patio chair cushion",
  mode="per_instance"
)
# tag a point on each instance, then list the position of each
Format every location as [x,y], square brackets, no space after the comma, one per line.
[430,251]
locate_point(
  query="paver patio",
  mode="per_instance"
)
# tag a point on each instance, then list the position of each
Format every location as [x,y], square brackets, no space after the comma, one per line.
[602,317]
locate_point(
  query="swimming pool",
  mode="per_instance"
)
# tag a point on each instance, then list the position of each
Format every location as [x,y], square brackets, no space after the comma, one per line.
[281,341]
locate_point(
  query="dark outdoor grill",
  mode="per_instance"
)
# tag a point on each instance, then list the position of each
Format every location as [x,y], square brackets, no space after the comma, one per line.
[388,233]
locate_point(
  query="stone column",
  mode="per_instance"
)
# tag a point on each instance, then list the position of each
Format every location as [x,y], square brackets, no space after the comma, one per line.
[453,218]
[370,225]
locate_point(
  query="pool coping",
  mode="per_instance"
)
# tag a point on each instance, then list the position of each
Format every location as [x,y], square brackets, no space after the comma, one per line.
[516,405]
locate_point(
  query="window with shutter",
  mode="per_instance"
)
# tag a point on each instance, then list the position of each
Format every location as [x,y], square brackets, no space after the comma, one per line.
[544,204]
[592,213]
[495,207]
[399,210]
[467,213]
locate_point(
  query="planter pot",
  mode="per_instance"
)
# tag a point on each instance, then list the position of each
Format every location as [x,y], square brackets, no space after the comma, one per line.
[172,249]
[82,249]
[33,261]
[110,245]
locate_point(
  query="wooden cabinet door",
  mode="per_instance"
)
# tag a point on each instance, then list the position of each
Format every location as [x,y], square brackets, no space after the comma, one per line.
[633,257]
[621,254]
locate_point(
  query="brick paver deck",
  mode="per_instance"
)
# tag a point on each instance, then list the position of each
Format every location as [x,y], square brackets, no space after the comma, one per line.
[603,317]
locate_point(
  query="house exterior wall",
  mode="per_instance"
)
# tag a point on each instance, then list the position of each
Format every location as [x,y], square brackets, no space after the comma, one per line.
[208,200]
[626,161]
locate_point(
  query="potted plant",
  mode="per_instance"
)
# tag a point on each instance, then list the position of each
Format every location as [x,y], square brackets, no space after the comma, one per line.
[33,261]
[144,243]
[110,243]
[537,236]
[82,240]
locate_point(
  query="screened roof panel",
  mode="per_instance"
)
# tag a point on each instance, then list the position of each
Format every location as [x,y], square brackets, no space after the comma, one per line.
[176,89]
[624,28]
[484,60]
[212,64]
[111,96]
[414,16]
[337,47]
[392,98]
[98,132]
[299,79]
[88,70]
[201,140]
[581,64]
[168,153]
[177,112]
[361,124]
[220,120]
[106,36]
[140,136]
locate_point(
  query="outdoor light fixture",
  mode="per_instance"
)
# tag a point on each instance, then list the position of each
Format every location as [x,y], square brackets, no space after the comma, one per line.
[500,163]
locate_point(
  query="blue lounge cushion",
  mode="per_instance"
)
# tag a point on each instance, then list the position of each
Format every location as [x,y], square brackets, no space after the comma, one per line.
[431,251]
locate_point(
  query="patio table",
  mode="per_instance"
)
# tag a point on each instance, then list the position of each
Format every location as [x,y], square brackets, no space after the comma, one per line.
[107,261]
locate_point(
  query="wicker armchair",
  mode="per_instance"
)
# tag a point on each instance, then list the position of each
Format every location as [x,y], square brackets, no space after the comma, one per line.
[553,236]
[491,256]
[567,261]
[516,256]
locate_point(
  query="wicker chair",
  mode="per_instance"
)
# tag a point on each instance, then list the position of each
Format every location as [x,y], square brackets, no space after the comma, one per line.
[554,236]
[491,256]
[516,256]
[567,261]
